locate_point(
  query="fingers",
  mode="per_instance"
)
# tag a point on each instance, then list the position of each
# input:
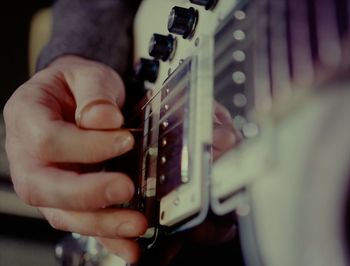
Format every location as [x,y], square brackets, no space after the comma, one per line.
[98,114]
[42,129]
[46,185]
[56,188]
[129,250]
[115,229]
[63,142]
[224,139]
[107,223]
[98,92]
[221,114]
[225,136]
[46,122]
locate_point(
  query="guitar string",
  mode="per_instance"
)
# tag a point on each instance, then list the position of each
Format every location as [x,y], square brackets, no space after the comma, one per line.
[141,174]
[172,109]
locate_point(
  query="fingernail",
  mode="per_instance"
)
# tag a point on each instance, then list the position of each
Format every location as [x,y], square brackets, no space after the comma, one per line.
[127,229]
[124,143]
[217,120]
[99,114]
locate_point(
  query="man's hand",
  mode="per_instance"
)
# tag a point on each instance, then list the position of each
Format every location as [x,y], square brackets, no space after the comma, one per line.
[63,119]
[225,135]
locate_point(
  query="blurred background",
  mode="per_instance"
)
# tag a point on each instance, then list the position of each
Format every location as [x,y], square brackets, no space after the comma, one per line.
[25,238]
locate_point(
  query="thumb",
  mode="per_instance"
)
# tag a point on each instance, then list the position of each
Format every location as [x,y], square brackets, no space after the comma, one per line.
[99,92]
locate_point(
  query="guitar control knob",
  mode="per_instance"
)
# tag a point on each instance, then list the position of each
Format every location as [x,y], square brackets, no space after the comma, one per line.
[162,46]
[183,21]
[147,70]
[207,3]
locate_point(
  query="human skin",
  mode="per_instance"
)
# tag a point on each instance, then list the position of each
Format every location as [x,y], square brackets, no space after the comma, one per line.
[60,125]
[65,118]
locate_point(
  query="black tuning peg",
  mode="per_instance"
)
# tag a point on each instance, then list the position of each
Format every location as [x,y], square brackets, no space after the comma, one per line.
[209,4]
[183,21]
[147,70]
[162,46]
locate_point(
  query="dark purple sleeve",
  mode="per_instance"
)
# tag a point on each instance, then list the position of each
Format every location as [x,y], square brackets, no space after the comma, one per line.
[95,29]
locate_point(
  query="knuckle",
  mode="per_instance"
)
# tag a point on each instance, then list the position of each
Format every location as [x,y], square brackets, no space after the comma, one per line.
[45,143]
[97,72]
[26,193]
[12,109]
[56,221]
[93,71]
[100,75]
[103,76]
[101,71]
[7,109]
[96,227]
[17,99]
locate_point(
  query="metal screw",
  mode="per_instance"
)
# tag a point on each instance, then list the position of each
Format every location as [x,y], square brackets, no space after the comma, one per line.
[165,124]
[240,15]
[163,160]
[162,179]
[238,77]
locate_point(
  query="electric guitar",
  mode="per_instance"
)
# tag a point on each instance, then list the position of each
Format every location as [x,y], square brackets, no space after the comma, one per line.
[279,70]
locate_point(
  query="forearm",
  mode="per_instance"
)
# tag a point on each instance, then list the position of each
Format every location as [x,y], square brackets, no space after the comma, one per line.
[100,30]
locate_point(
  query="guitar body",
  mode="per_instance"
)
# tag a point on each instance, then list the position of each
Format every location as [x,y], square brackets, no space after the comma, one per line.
[288,180]
[280,71]
[195,50]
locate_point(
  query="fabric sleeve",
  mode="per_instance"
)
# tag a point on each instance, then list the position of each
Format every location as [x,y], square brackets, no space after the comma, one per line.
[99,30]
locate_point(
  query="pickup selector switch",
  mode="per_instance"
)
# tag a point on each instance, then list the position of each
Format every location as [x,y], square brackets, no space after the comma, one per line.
[209,4]
[183,21]
[162,46]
